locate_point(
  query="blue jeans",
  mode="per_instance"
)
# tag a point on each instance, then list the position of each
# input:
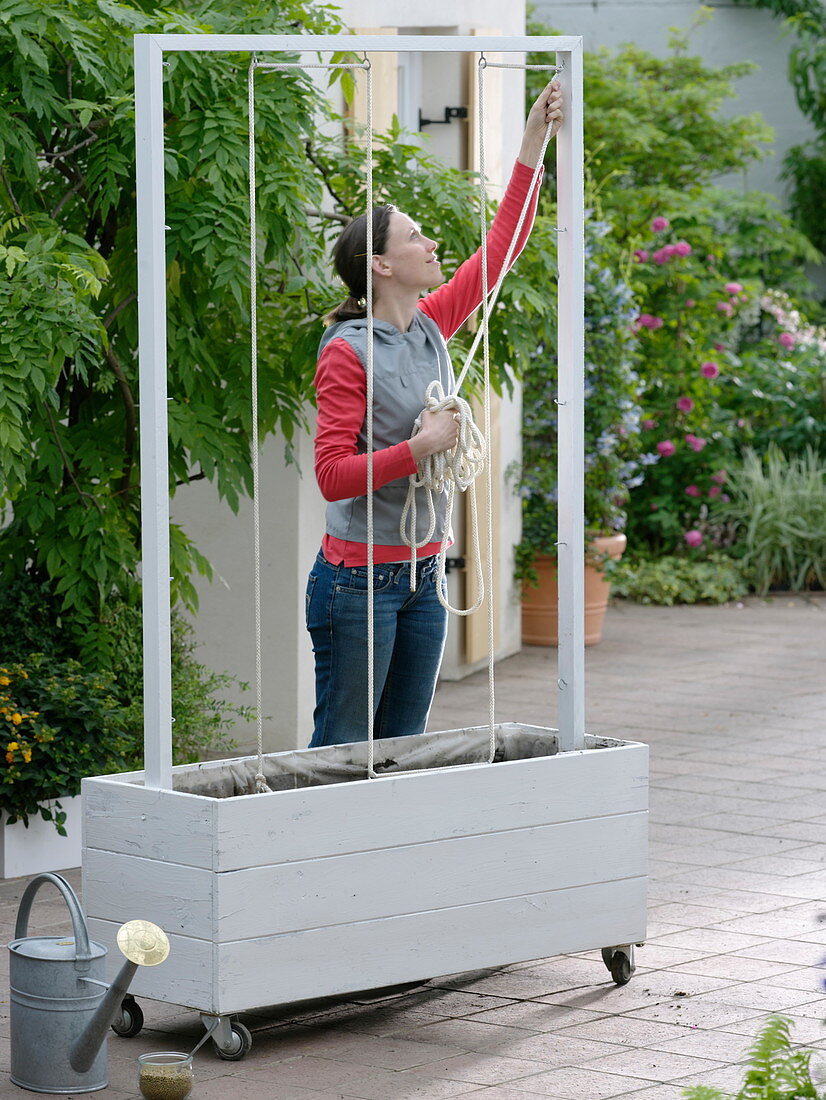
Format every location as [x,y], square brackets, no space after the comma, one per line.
[410,630]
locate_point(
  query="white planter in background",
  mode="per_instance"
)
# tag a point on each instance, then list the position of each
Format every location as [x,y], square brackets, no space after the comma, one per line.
[40,847]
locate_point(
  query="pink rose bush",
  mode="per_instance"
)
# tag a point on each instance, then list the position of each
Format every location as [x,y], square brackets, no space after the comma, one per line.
[694,538]
[684,404]
[666,448]
[710,369]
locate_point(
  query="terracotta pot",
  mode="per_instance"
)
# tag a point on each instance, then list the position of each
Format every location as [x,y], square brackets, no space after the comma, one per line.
[539,605]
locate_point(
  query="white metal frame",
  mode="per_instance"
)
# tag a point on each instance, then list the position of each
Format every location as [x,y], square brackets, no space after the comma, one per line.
[149,55]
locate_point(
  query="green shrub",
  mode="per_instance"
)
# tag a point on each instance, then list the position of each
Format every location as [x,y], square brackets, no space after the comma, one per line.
[670,580]
[60,725]
[775,1070]
[202,716]
[777,506]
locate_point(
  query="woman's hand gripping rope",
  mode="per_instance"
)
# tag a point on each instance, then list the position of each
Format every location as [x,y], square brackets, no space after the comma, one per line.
[455,468]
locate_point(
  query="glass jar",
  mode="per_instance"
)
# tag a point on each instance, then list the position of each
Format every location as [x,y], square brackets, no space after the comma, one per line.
[165,1076]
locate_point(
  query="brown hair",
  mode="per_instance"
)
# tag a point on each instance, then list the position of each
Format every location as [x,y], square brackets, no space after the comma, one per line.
[350,256]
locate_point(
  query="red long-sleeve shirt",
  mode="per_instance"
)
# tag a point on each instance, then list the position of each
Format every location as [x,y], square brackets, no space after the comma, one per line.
[341,384]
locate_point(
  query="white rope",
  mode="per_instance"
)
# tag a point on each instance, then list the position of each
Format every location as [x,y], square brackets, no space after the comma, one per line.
[483,226]
[260,782]
[371,637]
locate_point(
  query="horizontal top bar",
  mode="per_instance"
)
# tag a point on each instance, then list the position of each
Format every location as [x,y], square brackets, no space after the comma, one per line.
[371,43]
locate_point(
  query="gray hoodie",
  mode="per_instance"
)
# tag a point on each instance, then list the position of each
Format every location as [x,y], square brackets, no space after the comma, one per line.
[404,364]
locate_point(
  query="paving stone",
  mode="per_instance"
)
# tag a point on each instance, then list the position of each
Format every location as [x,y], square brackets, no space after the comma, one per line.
[736,885]
[575,1084]
[482,1069]
[655,1065]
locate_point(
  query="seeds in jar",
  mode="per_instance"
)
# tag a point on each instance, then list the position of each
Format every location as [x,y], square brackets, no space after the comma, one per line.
[165,1083]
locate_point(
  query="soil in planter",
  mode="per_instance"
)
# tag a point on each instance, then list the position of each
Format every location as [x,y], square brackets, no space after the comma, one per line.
[288,771]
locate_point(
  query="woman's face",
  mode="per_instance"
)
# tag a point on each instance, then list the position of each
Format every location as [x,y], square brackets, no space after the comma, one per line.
[409,258]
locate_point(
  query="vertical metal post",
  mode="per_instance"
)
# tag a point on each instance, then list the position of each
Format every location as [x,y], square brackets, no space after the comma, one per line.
[569,154]
[157,655]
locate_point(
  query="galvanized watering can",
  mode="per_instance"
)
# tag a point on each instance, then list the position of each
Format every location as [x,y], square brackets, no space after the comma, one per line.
[61,1007]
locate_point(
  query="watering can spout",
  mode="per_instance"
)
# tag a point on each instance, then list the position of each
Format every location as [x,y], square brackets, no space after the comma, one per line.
[143,944]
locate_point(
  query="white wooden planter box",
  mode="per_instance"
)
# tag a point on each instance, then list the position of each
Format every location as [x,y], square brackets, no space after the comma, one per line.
[40,847]
[329,889]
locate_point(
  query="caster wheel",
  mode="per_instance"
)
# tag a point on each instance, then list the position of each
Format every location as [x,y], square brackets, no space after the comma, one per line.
[241,1044]
[620,968]
[131,1019]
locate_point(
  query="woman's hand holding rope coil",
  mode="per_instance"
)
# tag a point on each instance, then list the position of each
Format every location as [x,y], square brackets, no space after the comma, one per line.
[456,468]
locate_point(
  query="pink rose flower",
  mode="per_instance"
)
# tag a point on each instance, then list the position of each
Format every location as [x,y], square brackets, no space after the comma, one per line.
[649,425]
[741,423]
[690,303]
[684,404]
[661,256]
[733,288]
[786,340]
[719,347]
[725,307]
[682,248]
[709,369]
[666,448]
[725,497]
[714,491]
[694,442]
[641,255]
[692,490]
[646,320]
[659,224]
[719,478]
[693,538]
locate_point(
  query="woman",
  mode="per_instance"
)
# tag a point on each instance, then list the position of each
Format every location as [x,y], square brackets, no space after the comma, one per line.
[410,334]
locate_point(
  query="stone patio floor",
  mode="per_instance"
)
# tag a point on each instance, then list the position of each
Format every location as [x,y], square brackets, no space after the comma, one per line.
[732,702]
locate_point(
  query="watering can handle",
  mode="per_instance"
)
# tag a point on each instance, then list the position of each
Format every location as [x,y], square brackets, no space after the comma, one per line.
[82,950]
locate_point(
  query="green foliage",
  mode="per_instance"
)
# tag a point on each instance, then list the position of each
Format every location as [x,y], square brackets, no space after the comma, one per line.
[776,1070]
[778,511]
[804,166]
[653,130]
[68,369]
[60,724]
[613,460]
[778,376]
[33,630]
[673,580]
[202,716]
[717,373]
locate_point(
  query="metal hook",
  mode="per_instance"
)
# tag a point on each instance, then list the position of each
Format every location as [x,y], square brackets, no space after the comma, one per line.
[366,62]
[561,684]
[560,403]
[483,64]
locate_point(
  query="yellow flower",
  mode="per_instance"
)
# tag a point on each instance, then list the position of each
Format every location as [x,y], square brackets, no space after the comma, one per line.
[17,719]
[24,674]
[9,757]
[5,681]
[27,755]
[12,745]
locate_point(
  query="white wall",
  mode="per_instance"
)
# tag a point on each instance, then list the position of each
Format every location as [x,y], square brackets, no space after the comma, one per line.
[292,510]
[735,32]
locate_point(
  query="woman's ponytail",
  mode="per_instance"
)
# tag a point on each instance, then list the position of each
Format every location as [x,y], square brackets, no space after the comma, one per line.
[349,259]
